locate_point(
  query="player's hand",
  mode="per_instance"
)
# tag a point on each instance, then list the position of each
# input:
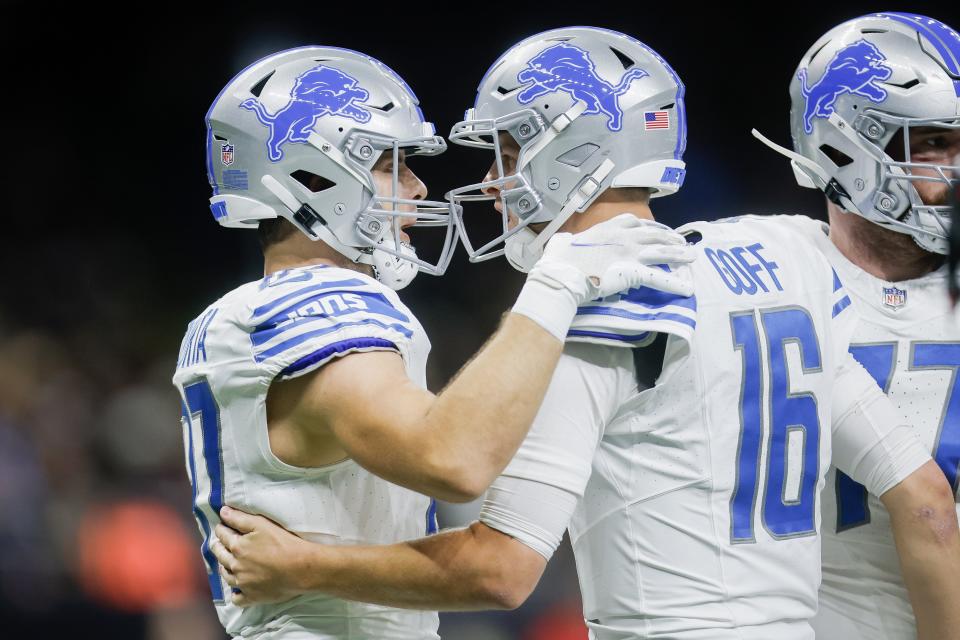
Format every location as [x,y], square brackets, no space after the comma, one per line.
[614,256]
[610,257]
[258,558]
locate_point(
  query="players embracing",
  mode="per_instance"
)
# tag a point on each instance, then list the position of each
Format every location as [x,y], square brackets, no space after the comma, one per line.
[684,441]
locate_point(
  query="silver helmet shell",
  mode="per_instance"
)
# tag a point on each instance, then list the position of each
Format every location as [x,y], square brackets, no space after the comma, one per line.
[591,109]
[860,85]
[296,134]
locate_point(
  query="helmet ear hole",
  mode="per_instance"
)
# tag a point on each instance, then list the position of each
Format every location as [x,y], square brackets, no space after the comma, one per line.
[836,156]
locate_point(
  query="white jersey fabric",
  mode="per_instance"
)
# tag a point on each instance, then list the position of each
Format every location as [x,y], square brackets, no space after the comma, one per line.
[908,340]
[697,500]
[283,326]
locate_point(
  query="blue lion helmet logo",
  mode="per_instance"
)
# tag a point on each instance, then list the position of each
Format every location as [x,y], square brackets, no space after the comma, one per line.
[854,69]
[320,91]
[565,67]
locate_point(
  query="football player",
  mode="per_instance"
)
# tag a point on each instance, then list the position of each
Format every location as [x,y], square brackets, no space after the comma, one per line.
[684,440]
[304,394]
[875,121]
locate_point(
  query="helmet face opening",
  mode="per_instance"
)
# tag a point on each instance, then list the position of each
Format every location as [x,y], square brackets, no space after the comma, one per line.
[297,134]
[861,94]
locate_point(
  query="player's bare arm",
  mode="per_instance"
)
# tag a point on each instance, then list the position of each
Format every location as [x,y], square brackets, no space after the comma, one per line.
[872,445]
[924,521]
[451,446]
[494,563]
[475,568]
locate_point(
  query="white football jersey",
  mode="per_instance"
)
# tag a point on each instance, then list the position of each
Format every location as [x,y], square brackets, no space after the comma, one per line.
[908,339]
[283,326]
[699,497]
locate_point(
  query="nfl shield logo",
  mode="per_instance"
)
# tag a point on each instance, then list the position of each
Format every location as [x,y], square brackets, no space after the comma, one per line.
[894,298]
[226,154]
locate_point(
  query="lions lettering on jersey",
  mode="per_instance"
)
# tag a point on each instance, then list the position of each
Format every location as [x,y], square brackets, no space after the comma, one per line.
[335,315]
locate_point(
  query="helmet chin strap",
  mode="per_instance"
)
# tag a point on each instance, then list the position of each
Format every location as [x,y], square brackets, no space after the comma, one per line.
[525,254]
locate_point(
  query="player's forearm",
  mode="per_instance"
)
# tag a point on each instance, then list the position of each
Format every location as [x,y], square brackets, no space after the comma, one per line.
[448,571]
[477,423]
[924,522]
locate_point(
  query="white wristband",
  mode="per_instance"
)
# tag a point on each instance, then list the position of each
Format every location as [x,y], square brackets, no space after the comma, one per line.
[552,307]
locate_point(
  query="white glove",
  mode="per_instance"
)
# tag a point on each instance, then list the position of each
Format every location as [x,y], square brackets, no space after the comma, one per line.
[607,258]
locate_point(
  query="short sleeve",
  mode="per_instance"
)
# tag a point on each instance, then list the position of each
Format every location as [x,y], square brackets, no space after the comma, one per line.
[534,498]
[297,326]
[871,443]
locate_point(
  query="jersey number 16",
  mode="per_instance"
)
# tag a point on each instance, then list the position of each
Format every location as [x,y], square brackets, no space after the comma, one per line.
[792,428]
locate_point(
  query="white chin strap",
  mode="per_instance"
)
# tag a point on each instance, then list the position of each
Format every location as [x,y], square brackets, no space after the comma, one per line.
[525,247]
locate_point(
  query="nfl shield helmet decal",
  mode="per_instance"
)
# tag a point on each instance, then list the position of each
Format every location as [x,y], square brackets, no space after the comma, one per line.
[226,154]
[894,298]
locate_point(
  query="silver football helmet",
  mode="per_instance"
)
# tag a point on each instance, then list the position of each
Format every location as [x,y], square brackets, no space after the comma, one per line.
[590,109]
[296,134]
[859,86]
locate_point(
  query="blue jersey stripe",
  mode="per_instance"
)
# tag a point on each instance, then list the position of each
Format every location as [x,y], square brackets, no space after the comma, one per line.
[840,306]
[836,281]
[609,336]
[327,352]
[655,299]
[310,335]
[259,338]
[432,526]
[623,313]
[273,304]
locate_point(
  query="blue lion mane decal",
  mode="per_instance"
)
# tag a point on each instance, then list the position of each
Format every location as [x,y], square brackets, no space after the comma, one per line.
[854,69]
[565,67]
[320,91]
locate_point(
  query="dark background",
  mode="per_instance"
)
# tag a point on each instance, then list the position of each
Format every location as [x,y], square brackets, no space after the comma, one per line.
[109,249]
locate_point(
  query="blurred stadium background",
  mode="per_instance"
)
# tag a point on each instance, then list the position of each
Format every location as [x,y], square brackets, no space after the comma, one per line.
[109,249]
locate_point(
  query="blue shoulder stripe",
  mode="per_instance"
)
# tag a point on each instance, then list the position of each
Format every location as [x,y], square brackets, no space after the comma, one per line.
[310,335]
[623,313]
[655,298]
[610,336]
[330,350]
